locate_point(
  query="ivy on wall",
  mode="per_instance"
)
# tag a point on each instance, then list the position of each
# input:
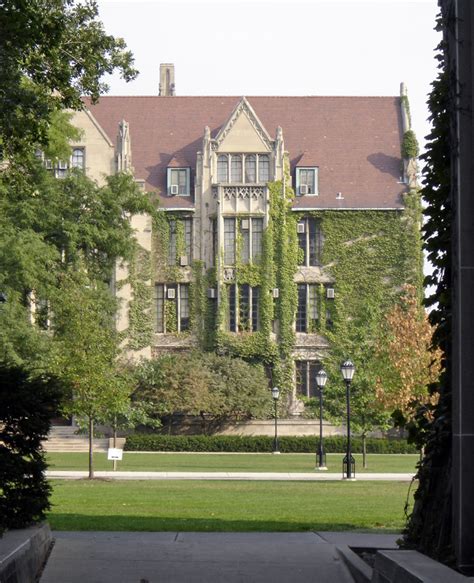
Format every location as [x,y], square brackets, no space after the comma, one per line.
[368,255]
[140,324]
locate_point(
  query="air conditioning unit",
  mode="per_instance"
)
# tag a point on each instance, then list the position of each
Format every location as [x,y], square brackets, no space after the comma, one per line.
[330,293]
[304,189]
[174,189]
[245,224]
[212,293]
[275,292]
[183,260]
[300,228]
[171,293]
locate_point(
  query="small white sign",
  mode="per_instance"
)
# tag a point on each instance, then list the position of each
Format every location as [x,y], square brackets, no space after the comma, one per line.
[114,453]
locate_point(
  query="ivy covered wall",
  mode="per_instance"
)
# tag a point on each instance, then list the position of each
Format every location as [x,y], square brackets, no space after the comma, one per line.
[366,255]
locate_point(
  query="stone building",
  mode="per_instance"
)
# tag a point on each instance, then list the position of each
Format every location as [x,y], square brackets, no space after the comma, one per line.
[211,164]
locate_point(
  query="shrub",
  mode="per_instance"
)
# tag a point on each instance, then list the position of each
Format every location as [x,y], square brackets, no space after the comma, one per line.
[26,408]
[260,444]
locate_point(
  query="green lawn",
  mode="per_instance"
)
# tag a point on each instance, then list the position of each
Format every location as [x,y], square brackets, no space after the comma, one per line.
[227,506]
[189,462]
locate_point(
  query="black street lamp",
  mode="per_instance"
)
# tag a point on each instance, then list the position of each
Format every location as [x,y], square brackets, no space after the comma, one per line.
[321,378]
[276,396]
[348,463]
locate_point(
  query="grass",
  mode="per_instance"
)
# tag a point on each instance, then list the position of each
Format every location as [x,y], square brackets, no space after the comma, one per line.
[189,462]
[227,506]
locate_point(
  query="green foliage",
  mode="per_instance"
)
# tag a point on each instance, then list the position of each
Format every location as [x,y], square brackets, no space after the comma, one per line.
[215,387]
[52,53]
[429,528]
[369,255]
[26,407]
[260,444]
[410,147]
[140,323]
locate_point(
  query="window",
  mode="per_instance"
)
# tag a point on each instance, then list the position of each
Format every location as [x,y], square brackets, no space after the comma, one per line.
[61,167]
[179,181]
[214,241]
[229,241]
[306,181]
[77,158]
[263,168]
[243,313]
[175,319]
[309,240]
[242,168]
[250,168]
[306,371]
[307,314]
[236,168]
[222,168]
[187,230]
[251,233]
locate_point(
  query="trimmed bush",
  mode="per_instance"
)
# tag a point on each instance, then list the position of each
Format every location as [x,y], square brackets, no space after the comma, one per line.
[260,444]
[26,407]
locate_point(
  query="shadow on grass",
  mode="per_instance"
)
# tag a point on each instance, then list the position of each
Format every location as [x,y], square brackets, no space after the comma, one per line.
[151,524]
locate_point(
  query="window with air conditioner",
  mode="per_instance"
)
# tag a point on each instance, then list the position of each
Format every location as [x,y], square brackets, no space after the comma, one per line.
[310,241]
[174,320]
[179,181]
[306,181]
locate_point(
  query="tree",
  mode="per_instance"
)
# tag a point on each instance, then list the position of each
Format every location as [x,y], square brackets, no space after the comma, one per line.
[51,53]
[408,366]
[87,348]
[214,387]
[357,340]
[26,407]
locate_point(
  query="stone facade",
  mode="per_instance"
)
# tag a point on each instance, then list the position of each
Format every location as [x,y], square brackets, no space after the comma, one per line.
[223,174]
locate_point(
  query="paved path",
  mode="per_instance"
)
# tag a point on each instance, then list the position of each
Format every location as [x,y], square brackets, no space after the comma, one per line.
[269,476]
[193,557]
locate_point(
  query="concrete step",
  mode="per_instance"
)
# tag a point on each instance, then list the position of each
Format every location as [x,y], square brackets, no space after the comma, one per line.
[66,439]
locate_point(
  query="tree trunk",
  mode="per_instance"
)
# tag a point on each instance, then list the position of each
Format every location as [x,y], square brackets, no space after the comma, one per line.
[364,451]
[91,448]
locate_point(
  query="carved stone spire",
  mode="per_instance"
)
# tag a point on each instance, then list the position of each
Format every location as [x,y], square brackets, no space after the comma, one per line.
[124,148]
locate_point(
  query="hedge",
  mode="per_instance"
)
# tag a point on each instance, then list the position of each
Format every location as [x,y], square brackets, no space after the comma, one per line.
[261,444]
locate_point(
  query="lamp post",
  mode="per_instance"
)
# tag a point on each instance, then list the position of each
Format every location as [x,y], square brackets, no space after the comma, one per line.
[321,378]
[348,463]
[276,396]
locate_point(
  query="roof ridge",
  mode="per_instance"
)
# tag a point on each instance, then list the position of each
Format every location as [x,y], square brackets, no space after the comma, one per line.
[179,97]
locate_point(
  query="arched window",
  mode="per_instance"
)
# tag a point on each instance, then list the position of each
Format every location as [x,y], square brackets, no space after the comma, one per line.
[236,168]
[77,158]
[222,168]
[250,168]
[263,168]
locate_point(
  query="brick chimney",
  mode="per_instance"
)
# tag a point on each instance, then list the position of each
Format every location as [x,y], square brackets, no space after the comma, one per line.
[166,79]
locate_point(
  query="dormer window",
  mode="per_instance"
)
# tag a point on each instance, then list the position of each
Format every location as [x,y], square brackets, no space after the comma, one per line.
[179,181]
[222,168]
[263,168]
[306,181]
[236,168]
[243,168]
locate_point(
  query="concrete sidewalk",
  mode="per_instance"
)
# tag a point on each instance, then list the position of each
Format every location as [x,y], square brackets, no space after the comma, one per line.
[258,476]
[194,557]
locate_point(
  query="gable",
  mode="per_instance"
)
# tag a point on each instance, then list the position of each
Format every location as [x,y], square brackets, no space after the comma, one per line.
[243,132]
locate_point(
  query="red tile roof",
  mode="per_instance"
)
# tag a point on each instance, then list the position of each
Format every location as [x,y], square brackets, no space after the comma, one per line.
[355,141]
